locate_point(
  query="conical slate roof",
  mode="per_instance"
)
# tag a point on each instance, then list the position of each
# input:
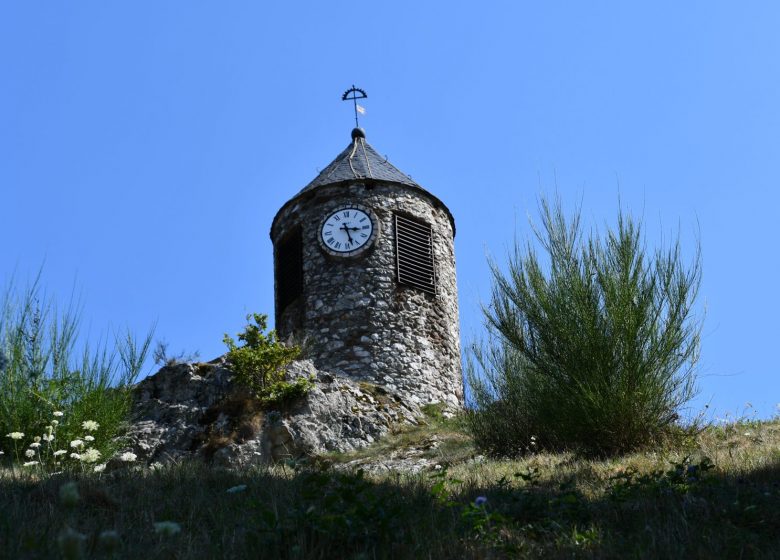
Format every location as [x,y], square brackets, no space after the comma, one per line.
[359,161]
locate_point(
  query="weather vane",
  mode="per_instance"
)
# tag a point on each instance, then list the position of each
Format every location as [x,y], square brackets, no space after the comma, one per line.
[357,93]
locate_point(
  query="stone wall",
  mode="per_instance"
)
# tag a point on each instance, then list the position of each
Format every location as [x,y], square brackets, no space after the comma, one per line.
[354,316]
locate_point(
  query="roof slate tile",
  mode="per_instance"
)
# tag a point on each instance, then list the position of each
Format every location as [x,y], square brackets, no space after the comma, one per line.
[359,161]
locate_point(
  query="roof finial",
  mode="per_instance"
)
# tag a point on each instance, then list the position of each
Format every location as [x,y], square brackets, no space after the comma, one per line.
[357,93]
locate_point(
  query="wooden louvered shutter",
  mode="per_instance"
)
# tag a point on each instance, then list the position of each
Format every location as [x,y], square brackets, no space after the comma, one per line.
[414,254]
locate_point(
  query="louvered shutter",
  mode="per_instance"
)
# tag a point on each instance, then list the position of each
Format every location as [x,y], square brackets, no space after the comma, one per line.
[414,254]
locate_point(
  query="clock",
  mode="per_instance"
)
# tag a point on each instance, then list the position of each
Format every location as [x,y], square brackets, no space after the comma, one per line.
[348,230]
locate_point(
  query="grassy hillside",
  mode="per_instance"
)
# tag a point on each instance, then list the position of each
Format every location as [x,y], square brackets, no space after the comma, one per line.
[718,497]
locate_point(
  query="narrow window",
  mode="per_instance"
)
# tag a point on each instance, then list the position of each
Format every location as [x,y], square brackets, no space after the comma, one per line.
[289,270]
[414,254]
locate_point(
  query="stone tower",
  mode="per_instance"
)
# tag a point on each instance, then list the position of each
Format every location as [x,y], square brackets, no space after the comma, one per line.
[364,268]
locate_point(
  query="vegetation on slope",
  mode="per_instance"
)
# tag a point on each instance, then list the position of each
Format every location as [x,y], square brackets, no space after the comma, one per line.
[717,496]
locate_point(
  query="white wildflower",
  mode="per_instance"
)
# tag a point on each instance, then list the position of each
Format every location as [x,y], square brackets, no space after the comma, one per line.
[167,528]
[75,456]
[35,445]
[89,438]
[90,455]
[36,439]
[90,425]
[55,423]
[58,414]
[30,453]
[59,452]
[76,443]
[15,435]
[128,457]
[100,468]
[30,463]
[48,437]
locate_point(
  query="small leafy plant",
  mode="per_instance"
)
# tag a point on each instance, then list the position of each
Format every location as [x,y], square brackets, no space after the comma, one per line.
[259,364]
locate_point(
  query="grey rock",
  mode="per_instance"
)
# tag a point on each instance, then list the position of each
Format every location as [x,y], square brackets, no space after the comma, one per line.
[195,411]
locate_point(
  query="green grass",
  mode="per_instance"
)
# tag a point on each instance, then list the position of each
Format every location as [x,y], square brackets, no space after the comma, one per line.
[718,496]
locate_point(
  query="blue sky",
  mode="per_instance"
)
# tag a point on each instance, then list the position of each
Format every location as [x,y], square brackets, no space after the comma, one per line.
[145,147]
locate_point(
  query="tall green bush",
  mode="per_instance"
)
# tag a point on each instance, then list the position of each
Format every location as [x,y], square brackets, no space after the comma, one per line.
[593,348]
[44,368]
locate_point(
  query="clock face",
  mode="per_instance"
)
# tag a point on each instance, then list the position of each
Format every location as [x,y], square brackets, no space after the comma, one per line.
[348,230]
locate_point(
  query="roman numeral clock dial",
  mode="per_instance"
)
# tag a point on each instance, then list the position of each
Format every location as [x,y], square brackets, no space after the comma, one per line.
[348,231]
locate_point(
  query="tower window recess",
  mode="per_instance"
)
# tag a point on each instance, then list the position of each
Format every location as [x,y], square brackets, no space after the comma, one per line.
[414,254]
[289,269]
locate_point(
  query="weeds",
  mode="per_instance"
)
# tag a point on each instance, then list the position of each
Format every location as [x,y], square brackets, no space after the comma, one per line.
[162,356]
[680,479]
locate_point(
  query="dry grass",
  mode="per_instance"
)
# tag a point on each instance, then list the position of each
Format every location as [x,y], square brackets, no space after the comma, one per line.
[665,503]
[435,437]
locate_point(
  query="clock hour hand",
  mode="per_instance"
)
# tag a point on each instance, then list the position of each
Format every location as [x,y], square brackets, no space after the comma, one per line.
[346,228]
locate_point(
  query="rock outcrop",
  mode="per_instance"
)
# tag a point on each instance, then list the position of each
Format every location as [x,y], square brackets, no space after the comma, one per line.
[196,411]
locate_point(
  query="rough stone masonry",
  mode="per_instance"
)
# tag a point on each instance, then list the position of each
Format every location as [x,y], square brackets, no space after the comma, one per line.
[353,314]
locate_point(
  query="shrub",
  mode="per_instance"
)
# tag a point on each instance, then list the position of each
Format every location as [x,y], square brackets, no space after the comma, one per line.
[259,364]
[44,369]
[594,349]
